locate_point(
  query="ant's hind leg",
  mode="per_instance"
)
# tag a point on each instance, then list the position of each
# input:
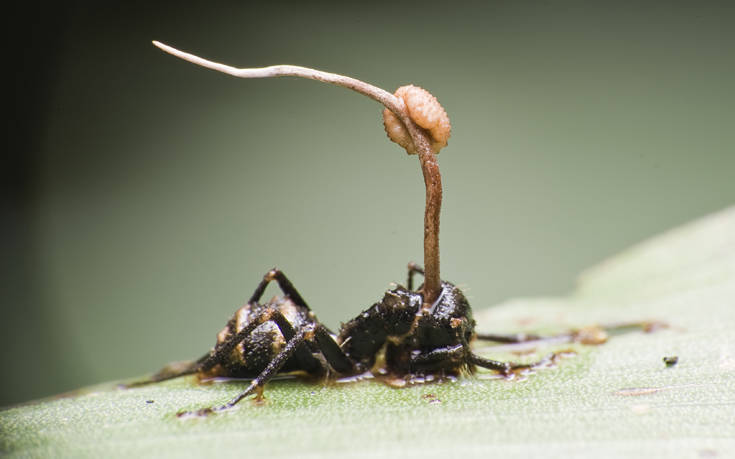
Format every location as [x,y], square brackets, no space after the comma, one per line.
[437,358]
[270,370]
[208,360]
[332,352]
[286,287]
[171,371]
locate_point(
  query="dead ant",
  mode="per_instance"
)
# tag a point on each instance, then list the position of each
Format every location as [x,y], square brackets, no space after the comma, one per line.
[395,337]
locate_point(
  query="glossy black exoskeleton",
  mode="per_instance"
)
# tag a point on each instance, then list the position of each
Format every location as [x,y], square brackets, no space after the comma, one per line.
[398,338]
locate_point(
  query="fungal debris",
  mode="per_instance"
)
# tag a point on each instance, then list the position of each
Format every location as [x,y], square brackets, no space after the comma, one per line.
[638,391]
[432,399]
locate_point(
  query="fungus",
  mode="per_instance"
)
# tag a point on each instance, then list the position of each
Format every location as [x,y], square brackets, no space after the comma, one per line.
[413,118]
[426,112]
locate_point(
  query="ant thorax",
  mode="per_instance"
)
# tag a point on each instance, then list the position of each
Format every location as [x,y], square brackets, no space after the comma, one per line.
[398,336]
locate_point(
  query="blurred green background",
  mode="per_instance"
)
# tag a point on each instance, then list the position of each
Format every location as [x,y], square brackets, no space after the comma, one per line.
[151,195]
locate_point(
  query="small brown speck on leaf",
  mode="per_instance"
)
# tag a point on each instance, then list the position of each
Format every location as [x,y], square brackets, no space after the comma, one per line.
[591,335]
[636,391]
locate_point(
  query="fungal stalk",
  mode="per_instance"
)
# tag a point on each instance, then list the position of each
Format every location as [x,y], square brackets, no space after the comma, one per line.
[412,117]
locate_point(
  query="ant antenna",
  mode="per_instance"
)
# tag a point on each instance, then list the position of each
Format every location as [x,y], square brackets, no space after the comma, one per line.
[407,106]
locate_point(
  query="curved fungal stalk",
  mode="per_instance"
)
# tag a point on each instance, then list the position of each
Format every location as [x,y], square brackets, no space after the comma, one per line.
[415,114]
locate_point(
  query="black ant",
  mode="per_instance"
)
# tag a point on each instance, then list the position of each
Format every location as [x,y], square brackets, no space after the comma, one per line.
[397,337]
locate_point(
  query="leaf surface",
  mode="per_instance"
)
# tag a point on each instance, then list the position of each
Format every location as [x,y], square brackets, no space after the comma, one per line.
[608,400]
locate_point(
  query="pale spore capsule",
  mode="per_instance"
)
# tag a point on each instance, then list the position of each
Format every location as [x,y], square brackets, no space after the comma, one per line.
[426,112]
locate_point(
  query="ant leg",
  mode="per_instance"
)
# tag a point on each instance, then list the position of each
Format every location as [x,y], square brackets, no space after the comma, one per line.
[595,334]
[438,354]
[508,338]
[266,375]
[503,367]
[220,351]
[302,354]
[459,352]
[507,368]
[328,347]
[332,352]
[436,357]
[170,371]
[413,268]
[286,287]
[224,349]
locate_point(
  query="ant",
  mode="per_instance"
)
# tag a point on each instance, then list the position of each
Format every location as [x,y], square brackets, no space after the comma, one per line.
[396,336]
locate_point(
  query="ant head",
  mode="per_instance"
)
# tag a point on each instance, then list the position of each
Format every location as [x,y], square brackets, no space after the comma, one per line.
[400,299]
[451,304]
[450,313]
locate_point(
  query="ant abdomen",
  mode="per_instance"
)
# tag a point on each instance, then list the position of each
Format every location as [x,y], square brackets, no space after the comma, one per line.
[252,355]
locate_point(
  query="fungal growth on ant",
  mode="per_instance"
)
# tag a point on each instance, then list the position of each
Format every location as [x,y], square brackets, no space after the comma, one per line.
[410,335]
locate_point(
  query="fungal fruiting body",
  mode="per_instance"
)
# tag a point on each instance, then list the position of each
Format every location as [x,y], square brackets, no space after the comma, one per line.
[422,127]
[426,112]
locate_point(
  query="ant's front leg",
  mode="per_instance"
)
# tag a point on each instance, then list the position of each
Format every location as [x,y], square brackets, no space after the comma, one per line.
[440,357]
[435,359]
[508,338]
[502,367]
[413,268]
[462,352]
[505,368]
[594,334]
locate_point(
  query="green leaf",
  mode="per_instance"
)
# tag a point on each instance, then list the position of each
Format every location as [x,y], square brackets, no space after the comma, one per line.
[608,400]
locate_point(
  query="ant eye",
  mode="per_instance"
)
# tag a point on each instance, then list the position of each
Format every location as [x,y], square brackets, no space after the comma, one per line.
[426,112]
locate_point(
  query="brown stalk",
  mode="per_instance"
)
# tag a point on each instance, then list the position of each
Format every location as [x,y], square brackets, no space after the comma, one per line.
[427,158]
